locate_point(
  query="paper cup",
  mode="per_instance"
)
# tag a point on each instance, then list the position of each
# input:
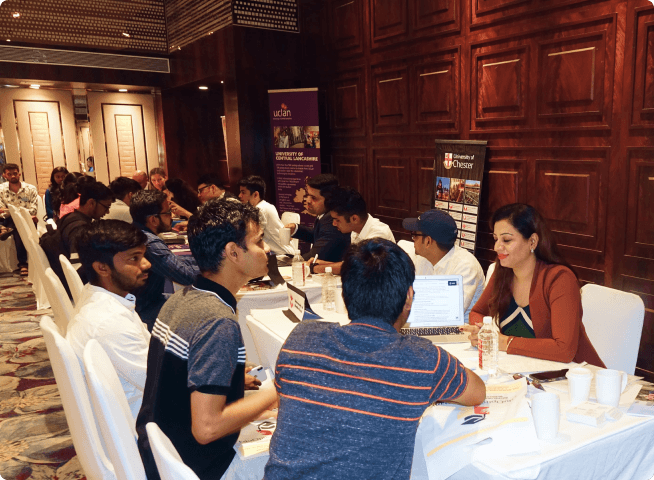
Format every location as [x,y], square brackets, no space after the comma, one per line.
[545,410]
[285,236]
[579,380]
[609,385]
[340,304]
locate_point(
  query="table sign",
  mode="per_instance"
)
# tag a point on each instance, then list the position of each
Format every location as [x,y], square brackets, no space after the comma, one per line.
[298,306]
[458,173]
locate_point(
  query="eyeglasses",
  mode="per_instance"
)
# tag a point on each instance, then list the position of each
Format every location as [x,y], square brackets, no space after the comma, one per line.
[200,189]
[107,207]
[169,212]
[414,235]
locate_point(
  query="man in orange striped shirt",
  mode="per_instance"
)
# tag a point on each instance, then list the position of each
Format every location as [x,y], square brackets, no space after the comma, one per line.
[351,397]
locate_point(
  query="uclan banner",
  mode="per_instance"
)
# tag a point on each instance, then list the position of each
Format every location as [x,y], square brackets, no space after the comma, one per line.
[296,146]
[458,175]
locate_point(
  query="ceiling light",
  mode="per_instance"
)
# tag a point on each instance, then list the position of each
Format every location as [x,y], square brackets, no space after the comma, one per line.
[16,14]
[35,86]
[203,88]
[8,40]
[125,34]
[122,89]
[12,86]
[222,81]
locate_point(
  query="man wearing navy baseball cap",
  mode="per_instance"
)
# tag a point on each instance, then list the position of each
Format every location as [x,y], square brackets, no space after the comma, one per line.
[434,236]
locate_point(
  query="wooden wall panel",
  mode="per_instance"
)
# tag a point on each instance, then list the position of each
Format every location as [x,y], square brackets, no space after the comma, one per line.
[349,170]
[349,103]
[563,91]
[347,19]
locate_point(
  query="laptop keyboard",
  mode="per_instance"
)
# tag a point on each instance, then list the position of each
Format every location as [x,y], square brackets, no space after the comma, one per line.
[421,332]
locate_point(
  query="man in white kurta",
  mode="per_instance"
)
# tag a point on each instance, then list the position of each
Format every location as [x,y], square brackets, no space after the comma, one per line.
[105,311]
[434,238]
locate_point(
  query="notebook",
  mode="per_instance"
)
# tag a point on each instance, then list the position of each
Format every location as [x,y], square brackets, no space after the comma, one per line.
[437,309]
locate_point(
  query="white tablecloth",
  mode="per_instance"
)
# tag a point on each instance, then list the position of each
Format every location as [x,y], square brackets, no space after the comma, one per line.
[622,450]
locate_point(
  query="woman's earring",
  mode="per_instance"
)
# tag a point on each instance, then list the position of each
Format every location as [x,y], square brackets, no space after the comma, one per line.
[532,249]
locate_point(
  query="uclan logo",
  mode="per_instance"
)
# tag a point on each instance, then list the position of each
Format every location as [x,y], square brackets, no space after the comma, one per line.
[284,112]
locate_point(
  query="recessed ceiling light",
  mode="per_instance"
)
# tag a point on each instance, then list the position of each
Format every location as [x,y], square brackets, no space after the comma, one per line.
[122,89]
[222,81]
[12,86]
[8,40]
[16,14]
[203,88]
[125,34]
[35,86]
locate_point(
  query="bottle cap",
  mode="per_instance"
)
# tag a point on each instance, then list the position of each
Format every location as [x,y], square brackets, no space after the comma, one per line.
[488,320]
[328,269]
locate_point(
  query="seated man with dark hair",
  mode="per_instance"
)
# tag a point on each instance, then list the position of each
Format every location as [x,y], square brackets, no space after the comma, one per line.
[196,365]
[351,396]
[350,215]
[151,213]
[123,189]
[252,190]
[328,243]
[434,238]
[210,185]
[112,255]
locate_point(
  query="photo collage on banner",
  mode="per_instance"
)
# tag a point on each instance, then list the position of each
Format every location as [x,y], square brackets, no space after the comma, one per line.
[296,146]
[457,185]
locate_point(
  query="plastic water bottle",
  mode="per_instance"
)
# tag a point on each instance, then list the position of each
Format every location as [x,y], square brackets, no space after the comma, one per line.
[488,347]
[329,290]
[299,269]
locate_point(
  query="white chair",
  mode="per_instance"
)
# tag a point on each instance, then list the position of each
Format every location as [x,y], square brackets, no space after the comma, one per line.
[489,273]
[614,323]
[77,404]
[25,235]
[72,278]
[62,308]
[267,345]
[113,413]
[409,248]
[169,463]
[291,217]
[30,224]
[40,216]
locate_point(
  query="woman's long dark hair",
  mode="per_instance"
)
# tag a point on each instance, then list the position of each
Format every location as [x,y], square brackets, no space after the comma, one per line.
[183,194]
[53,184]
[526,220]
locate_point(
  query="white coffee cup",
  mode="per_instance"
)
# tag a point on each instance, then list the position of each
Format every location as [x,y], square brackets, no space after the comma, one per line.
[579,380]
[546,413]
[285,236]
[609,385]
[340,304]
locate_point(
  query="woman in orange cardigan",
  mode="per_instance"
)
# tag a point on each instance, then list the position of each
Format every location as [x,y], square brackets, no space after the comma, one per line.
[533,294]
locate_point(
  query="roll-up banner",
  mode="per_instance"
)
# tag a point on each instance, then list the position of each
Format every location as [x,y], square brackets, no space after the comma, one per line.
[296,146]
[457,185]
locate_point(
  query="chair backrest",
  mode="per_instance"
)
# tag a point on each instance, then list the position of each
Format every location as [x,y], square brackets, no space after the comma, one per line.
[112,411]
[169,463]
[30,223]
[72,278]
[267,347]
[489,273]
[409,248]
[61,305]
[40,215]
[77,404]
[614,323]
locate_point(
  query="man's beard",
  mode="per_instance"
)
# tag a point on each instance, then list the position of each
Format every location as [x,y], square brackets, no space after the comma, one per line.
[123,282]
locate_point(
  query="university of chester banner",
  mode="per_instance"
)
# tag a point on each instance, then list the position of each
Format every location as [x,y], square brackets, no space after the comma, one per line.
[458,176]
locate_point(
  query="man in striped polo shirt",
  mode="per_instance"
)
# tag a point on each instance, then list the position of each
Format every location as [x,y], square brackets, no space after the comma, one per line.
[351,396]
[196,361]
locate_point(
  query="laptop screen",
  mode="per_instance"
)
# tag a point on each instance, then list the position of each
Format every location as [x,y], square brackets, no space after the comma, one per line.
[437,302]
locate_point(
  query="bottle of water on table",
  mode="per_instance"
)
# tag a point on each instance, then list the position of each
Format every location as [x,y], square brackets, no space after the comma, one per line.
[299,269]
[488,343]
[329,290]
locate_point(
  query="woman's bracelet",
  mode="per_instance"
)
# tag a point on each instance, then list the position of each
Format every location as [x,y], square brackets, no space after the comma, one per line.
[509,343]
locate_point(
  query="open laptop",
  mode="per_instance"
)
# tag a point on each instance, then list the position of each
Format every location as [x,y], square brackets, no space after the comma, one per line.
[437,309]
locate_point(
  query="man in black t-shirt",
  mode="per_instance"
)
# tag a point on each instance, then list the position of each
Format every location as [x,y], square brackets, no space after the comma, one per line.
[196,362]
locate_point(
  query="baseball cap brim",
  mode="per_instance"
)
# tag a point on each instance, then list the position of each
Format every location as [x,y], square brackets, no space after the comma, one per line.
[411,224]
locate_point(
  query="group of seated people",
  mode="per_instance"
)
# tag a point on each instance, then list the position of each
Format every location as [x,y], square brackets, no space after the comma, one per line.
[341,391]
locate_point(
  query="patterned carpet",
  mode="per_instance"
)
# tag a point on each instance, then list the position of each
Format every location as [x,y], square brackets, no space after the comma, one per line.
[35,442]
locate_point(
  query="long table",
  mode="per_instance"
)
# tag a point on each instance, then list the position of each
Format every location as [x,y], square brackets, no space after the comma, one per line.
[622,450]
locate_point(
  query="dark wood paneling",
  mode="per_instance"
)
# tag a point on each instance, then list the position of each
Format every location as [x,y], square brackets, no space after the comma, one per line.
[642,114]
[393,177]
[388,19]
[349,170]
[391,98]
[640,220]
[347,20]
[485,12]
[348,100]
